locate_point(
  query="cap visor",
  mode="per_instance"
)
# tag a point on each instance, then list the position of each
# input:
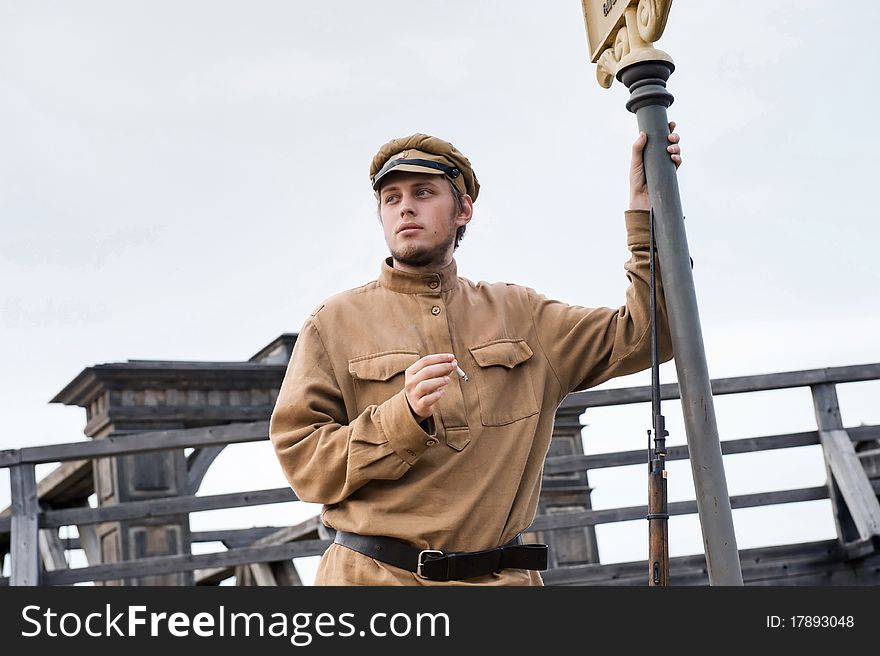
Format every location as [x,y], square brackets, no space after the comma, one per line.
[408,168]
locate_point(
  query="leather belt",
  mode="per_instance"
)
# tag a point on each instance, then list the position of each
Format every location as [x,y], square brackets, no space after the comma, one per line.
[435,565]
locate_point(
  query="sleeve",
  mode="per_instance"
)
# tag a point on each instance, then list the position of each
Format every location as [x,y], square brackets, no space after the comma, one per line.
[587,346]
[323,455]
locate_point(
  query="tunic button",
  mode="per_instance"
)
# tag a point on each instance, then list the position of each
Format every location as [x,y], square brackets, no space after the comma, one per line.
[430,442]
[435,310]
[434,284]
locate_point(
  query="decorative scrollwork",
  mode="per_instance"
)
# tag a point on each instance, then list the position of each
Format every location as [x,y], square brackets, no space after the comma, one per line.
[621,44]
[606,68]
[651,17]
[609,60]
[643,24]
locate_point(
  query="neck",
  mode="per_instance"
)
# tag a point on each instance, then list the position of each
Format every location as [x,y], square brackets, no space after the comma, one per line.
[430,267]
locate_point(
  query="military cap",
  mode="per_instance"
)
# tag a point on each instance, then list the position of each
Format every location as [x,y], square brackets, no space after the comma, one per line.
[422,153]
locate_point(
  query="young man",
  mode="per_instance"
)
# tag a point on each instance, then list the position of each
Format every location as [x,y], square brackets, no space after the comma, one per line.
[419,407]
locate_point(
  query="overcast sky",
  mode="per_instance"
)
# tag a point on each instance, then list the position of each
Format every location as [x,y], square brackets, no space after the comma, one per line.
[187,180]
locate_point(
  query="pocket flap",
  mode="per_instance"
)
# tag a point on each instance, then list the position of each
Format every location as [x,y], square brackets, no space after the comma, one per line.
[505,352]
[381,366]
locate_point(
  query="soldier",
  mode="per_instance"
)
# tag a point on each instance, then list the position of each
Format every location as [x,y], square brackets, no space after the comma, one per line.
[418,408]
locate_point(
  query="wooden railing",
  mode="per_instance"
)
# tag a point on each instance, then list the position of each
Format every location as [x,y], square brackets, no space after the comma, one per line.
[27,530]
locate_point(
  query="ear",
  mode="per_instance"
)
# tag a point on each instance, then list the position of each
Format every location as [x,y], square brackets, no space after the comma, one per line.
[467,211]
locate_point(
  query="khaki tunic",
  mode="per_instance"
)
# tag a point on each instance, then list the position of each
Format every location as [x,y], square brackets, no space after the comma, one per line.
[469,477]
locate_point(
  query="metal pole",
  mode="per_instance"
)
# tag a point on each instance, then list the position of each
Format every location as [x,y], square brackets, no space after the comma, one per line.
[649,99]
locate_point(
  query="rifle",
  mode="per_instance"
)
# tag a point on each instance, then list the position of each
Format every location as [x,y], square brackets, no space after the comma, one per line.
[658,511]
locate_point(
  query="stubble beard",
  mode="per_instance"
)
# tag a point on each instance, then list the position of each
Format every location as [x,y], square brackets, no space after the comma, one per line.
[420,256]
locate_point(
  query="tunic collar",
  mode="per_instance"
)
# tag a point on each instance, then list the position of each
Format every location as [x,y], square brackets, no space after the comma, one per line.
[418,283]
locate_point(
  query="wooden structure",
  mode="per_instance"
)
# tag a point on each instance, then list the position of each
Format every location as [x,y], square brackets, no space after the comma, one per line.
[143,415]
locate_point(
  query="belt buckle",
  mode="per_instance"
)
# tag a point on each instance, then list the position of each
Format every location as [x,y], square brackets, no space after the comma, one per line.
[421,561]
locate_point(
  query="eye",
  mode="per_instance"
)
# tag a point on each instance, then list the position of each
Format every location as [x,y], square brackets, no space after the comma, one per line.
[423,192]
[390,198]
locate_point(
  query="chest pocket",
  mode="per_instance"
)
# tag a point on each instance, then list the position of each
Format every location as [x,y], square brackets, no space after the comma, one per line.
[504,386]
[378,377]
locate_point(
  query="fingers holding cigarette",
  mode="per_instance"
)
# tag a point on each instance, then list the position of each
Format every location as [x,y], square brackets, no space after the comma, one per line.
[426,380]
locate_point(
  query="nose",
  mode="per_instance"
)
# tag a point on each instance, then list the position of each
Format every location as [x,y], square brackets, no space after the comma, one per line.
[407,207]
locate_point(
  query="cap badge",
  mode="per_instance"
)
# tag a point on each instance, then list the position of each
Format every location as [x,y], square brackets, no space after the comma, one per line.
[401,155]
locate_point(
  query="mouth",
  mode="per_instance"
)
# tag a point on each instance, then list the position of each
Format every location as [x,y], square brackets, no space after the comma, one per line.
[408,228]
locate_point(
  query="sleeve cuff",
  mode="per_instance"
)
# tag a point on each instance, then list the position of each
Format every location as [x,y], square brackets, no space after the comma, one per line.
[404,433]
[638,229]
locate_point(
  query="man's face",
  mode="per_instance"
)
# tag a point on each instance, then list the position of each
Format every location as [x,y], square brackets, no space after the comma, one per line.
[419,218]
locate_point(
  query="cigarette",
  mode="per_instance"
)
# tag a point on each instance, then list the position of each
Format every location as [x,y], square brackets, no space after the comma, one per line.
[462,374]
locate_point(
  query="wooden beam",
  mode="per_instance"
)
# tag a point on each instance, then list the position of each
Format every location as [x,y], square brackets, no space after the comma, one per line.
[827,411]
[25,548]
[870,460]
[178,505]
[263,575]
[88,540]
[307,528]
[244,576]
[235,537]
[51,550]
[187,562]
[165,506]
[593,517]
[612,573]
[141,442]
[813,563]
[566,464]
[212,575]
[66,485]
[285,573]
[282,572]
[230,538]
[739,385]
[853,482]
